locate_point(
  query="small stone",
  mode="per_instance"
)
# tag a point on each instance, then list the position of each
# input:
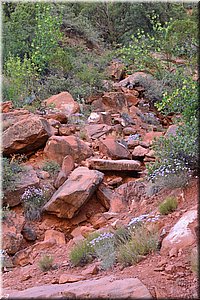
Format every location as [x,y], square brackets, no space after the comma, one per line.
[29,233]
[70,278]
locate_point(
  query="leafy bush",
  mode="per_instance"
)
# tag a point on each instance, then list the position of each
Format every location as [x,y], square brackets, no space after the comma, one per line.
[20,76]
[46,263]
[141,243]
[51,167]
[10,172]
[33,200]
[168,205]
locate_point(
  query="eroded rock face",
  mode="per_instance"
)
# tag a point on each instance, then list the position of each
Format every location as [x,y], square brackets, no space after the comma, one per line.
[110,147]
[58,147]
[106,288]
[74,192]
[27,135]
[63,102]
[181,236]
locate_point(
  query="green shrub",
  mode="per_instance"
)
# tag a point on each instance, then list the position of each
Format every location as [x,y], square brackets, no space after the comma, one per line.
[33,200]
[10,172]
[51,167]
[19,80]
[82,252]
[168,205]
[141,243]
[46,263]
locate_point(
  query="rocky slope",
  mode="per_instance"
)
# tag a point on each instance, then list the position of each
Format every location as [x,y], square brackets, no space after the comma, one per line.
[102,148]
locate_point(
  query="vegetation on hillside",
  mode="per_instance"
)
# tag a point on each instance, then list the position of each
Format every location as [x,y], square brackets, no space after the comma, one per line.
[43,55]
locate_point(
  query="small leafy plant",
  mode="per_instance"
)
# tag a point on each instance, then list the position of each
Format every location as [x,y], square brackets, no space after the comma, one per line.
[51,167]
[5,212]
[168,205]
[33,199]
[46,263]
[10,172]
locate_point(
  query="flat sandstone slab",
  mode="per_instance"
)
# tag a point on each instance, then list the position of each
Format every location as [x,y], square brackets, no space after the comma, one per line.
[105,288]
[114,165]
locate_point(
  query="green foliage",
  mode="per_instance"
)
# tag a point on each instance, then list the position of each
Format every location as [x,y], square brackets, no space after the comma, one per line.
[51,167]
[10,172]
[33,200]
[168,205]
[176,155]
[46,37]
[83,252]
[46,263]
[183,98]
[141,243]
[19,79]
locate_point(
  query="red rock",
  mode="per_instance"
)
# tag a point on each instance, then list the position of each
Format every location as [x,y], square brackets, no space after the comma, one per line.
[67,167]
[129,130]
[86,230]
[70,278]
[58,116]
[26,135]
[12,242]
[132,79]
[97,130]
[54,234]
[114,101]
[180,236]
[107,287]
[74,192]
[139,152]
[113,149]
[131,99]
[114,165]
[66,130]
[91,270]
[57,147]
[63,102]
[150,136]
[104,195]
[6,106]
[116,70]
[132,143]
[98,221]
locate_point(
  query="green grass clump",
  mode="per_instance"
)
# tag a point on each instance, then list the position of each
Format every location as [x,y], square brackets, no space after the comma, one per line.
[83,252]
[51,167]
[168,205]
[46,263]
[141,243]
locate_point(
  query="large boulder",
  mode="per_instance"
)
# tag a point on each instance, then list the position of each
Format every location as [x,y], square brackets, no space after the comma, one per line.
[12,117]
[27,135]
[181,235]
[57,147]
[63,102]
[107,287]
[110,147]
[74,192]
[67,166]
